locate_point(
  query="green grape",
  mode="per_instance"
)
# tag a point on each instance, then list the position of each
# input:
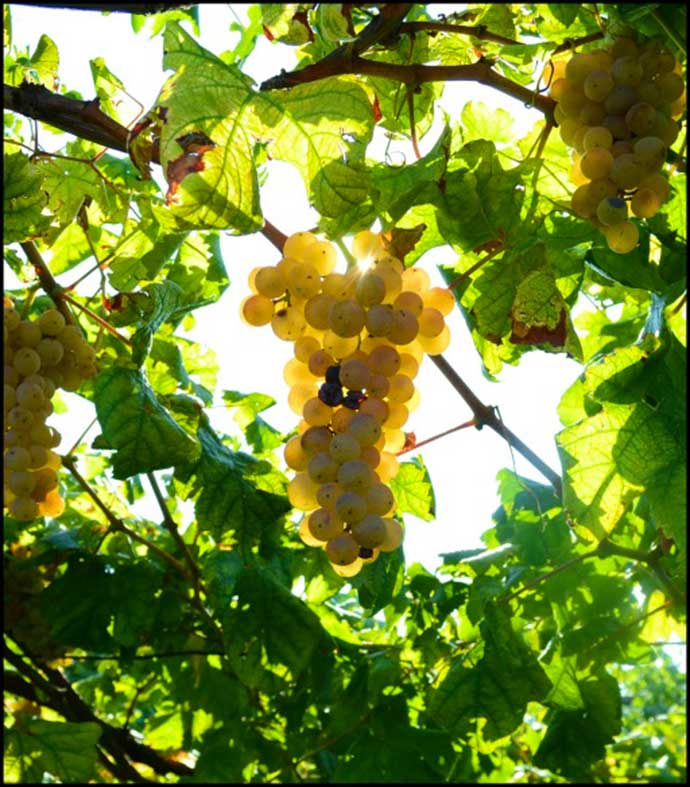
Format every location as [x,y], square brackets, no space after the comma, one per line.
[355,475]
[295,456]
[319,362]
[11,319]
[315,440]
[560,88]
[379,320]
[366,244]
[431,322]
[645,203]
[17,458]
[20,418]
[384,360]
[376,407]
[21,482]
[380,499]
[649,93]
[612,210]
[305,347]
[270,282]
[255,310]
[571,104]
[301,492]
[328,495]
[299,394]
[364,428]
[355,374]
[317,309]
[30,395]
[416,280]
[398,414]
[288,323]
[598,137]
[303,281]
[596,163]
[671,86]
[393,537]
[28,333]
[623,46]
[340,285]
[405,327]
[316,413]
[627,71]
[306,536]
[597,85]
[346,318]
[23,509]
[342,550]
[370,532]
[650,152]
[436,344]
[619,100]
[641,119]
[297,243]
[581,202]
[371,289]
[618,127]
[658,184]
[350,507]
[440,298]
[324,525]
[579,67]
[410,301]
[627,172]
[71,336]
[339,346]
[379,385]
[344,448]
[322,468]
[51,352]
[409,365]
[322,255]
[402,388]
[622,238]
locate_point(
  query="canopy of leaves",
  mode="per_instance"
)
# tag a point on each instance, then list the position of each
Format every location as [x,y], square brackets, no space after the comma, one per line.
[170,625]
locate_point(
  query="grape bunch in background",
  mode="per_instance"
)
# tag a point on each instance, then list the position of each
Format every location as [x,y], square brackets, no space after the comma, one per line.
[40,356]
[617,108]
[359,337]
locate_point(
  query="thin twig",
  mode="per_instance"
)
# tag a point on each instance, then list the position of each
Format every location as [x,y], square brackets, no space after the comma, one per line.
[485,415]
[478,31]
[413,129]
[428,440]
[543,577]
[92,315]
[457,281]
[274,235]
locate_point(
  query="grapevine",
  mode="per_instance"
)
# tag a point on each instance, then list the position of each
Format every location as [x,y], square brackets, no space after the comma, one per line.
[617,109]
[41,355]
[359,337]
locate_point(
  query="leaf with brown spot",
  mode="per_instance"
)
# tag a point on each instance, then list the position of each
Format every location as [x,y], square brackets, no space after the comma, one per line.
[400,241]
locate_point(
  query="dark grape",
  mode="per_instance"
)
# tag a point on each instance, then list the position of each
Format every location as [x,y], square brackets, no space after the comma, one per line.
[331,394]
[333,374]
[353,399]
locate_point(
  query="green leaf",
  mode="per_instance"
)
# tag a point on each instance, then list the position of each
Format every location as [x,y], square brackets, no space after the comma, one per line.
[260,435]
[135,425]
[576,739]
[565,693]
[23,199]
[141,254]
[379,583]
[498,688]
[199,269]
[65,750]
[165,304]
[109,89]
[479,122]
[285,626]
[45,62]
[210,100]
[231,500]
[413,491]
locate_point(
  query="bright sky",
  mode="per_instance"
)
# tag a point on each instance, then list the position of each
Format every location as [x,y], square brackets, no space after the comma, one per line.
[462,466]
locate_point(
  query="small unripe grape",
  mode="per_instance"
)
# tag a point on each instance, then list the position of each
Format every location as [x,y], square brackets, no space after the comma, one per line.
[393,537]
[380,499]
[355,374]
[294,455]
[23,509]
[355,476]
[350,507]
[322,468]
[255,310]
[364,428]
[645,203]
[324,525]
[321,255]
[370,531]
[344,448]
[298,243]
[384,360]
[342,550]
[26,361]
[371,289]
[597,85]
[622,238]
[612,210]
[379,320]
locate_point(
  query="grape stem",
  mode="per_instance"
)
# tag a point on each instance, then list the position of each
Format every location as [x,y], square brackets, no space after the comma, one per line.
[486,416]
[103,323]
[457,428]
[47,281]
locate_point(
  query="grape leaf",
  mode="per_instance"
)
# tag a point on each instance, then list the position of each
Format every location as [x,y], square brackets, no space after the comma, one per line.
[23,199]
[64,749]
[143,433]
[413,491]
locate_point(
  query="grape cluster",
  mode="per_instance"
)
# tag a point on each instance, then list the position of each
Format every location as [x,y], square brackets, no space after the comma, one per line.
[359,338]
[617,108]
[40,355]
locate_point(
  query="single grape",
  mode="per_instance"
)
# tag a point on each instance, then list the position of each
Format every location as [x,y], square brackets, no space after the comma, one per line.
[409,301]
[23,509]
[320,362]
[353,399]
[379,320]
[627,171]
[612,210]
[331,394]
[301,492]
[295,456]
[376,407]
[316,412]
[303,281]
[380,499]
[328,494]
[288,323]
[297,243]
[645,203]
[641,118]
[622,238]
[371,289]
[342,550]
[322,468]
[355,475]
[370,531]
[440,298]
[650,152]
[597,85]
[364,428]
[402,388]
[315,440]
[367,244]
[28,333]
[393,537]
[346,318]
[321,255]
[627,71]
[598,137]
[384,360]
[299,394]
[350,507]
[344,448]
[26,361]
[324,525]
[255,310]
[596,163]
[619,100]
[270,282]
[405,327]
[355,374]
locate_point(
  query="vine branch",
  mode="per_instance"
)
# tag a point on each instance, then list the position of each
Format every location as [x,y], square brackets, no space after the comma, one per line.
[486,416]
